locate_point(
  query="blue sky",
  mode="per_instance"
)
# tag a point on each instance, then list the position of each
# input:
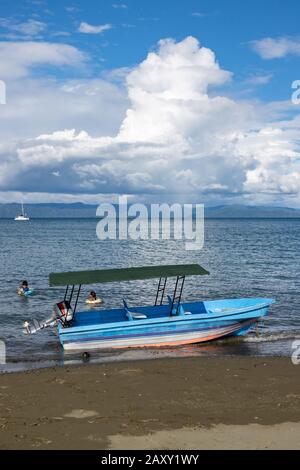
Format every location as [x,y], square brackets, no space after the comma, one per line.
[227,27]
[51,48]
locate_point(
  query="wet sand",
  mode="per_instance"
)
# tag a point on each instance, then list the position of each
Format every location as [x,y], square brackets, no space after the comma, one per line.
[191,403]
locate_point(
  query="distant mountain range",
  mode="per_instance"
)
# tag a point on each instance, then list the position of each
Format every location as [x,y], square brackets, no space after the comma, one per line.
[251,212]
[49,210]
[80,210]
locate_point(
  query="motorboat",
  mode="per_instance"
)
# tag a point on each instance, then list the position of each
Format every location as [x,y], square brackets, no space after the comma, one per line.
[169,321]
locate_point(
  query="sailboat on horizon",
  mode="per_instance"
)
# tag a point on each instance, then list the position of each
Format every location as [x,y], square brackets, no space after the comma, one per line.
[23,216]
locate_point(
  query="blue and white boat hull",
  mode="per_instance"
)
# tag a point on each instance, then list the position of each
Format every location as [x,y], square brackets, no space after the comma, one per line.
[198,322]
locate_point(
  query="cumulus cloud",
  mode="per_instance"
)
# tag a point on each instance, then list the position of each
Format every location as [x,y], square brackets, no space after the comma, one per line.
[93,29]
[179,135]
[34,107]
[167,88]
[18,58]
[276,168]
[276,48]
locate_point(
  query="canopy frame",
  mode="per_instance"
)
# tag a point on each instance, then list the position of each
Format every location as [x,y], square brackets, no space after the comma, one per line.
[161,288]
[69,301]
[119,275]
[177,297]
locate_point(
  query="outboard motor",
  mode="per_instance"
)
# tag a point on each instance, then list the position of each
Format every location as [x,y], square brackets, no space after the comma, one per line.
[62,313]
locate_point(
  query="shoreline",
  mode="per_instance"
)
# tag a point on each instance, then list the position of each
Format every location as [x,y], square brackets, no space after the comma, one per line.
[19,367]
[145,403]
[251,346]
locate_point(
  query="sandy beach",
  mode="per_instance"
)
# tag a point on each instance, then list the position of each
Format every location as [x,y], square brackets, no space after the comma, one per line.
[190,403]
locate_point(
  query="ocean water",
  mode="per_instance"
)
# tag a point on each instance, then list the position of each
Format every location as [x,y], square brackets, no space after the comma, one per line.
[246,258]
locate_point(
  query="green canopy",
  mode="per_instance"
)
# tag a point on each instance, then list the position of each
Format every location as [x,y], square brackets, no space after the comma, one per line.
[130,274]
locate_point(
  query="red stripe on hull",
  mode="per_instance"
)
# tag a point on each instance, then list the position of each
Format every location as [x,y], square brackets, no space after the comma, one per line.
[174,343]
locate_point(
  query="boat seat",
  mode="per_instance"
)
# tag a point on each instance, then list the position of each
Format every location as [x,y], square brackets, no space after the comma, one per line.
[136,316]
[181,309]
[183,312]
[133,315]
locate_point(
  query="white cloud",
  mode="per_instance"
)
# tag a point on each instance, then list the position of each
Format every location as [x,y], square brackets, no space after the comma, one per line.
[18,58]
[61,33]
[93,29]
[198,14]
[276,48]
[166,87]
[176,137]
[43,197]
[39,106]
[119,5]
[262,79]
[72,9]
[26,29]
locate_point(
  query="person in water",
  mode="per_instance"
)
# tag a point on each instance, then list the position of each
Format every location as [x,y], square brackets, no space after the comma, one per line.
[23,288]
[93,296]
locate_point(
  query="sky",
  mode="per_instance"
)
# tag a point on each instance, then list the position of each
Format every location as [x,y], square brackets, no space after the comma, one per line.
[164,101]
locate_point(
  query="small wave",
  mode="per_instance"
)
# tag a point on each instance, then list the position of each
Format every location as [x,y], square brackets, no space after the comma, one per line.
[287,336]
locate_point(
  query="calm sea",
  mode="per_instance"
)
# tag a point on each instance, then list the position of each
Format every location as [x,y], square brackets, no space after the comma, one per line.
[246,258]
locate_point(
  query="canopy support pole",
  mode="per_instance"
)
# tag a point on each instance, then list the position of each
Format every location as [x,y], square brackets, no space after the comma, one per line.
[161,290]
[68,302]
[78,293]
[177,296]
[71,295]
[66,292]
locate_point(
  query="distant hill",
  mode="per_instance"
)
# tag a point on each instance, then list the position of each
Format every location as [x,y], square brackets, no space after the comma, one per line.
[250,212]
[80,210]
[49,210]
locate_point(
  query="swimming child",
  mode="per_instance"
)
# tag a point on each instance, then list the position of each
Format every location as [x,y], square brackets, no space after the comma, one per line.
[23,288]
[93,296]
[93,299]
